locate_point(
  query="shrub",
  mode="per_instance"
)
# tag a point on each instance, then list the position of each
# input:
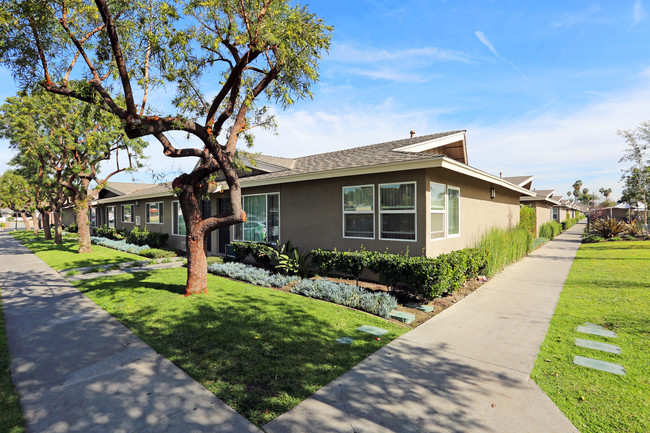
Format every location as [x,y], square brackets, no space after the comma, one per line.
[528,218]
[351,264]
[379,303]
[590,239]
[157,253]
[109,233]
[324,260]
[506,246]
[538,242]
[120,245]
[550,230]
[253,275]
[145,237]
[607,227]
[72,228]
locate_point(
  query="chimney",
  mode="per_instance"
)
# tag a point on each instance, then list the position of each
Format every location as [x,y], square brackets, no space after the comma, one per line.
[412,133]
[500,174]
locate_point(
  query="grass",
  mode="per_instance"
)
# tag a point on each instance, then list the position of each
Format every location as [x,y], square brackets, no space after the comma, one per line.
[66,256]
[608,285]
[505,246]
[11,417]
[262,351]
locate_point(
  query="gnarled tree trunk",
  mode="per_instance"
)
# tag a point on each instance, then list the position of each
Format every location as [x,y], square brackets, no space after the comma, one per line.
[197,266]
[58,229]
[47,233]
[28,225]
[35,218]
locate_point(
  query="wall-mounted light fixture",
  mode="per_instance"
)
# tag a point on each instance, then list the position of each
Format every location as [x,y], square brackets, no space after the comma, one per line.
[137,202]
[493,193]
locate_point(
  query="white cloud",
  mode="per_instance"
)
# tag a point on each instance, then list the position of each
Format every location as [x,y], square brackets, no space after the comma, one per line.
[638,13]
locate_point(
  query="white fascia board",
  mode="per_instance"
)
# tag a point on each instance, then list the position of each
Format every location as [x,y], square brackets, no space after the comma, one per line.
[539,198]
[126,197]
[439,161]
[433,143]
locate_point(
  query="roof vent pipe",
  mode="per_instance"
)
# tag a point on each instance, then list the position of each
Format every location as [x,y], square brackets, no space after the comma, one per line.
[412,133]
[500,174]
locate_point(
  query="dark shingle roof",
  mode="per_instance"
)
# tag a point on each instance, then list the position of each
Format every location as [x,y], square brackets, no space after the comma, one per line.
[517,180]
[364,156]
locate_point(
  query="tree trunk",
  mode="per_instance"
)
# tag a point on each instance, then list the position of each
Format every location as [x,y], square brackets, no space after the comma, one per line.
[28,225]
[58,229]
[83,225]
[35,218]
[197,265]
[47,233]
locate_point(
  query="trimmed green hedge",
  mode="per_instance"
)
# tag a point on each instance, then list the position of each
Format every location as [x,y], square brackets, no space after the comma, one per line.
[550,230]
[528,218]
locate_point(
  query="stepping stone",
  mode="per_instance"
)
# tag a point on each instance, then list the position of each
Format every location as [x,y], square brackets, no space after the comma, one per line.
[425,308]
[603,347]
[372,330]
[593,325]
[608,367]
[596,331]
[401,316]
[345,340]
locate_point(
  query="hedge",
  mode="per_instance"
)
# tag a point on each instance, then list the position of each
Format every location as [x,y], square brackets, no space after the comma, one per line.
[528,218]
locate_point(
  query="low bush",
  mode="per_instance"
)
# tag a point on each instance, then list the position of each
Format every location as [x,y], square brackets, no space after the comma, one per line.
[324,260]
[379,303]
[109,233]
[591,239]
[251,274]
[538,242]
[145,237]
[550,230]
[72,228]
[506,246]
[157,253]
[120,245]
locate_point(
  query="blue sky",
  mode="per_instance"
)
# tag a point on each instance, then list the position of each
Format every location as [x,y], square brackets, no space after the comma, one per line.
[540,87]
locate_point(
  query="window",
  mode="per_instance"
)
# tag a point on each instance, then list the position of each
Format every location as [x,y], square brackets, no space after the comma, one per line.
[93,217]
[438,207]
[444,211]
[359,211]
[262,219]
[555,214]
[110,216]
[178,222]
[397,211]
[127,213]
[453,217]
[154,213]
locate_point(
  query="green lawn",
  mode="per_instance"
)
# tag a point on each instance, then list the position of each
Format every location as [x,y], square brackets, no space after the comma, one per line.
[66,256]
[609,285]
[11,417]
[262,351]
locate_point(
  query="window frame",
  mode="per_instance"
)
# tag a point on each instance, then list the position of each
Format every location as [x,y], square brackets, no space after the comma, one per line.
[555,214]
[235,227]
[132,212]
[400,211]
[372,212]
[180,215]
[108,220]
[93,216]
[147,206]
[443,212]
[457,188]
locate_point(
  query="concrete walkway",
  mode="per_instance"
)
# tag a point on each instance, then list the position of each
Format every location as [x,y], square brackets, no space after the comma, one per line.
[465,370]
[77,369]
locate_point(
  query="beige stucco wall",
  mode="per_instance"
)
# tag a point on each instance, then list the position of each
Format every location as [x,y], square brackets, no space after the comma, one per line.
[543,210]
[478,213]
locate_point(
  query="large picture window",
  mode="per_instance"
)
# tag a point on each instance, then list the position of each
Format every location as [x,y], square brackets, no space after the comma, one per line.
[127,213]
[154,213]
[178,222]
[397,214]
[262,219]
[359,211]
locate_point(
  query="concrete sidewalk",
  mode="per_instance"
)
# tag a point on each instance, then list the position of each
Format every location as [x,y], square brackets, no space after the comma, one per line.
[77,369]
[465,370]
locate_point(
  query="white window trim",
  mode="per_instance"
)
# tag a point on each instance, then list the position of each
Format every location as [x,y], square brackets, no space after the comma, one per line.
[180,214]
[146,212]
[132,212]
[447,210]
[108,220]
[232,230]
[374,231]
[402,211]
[444,212]
[93,209]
